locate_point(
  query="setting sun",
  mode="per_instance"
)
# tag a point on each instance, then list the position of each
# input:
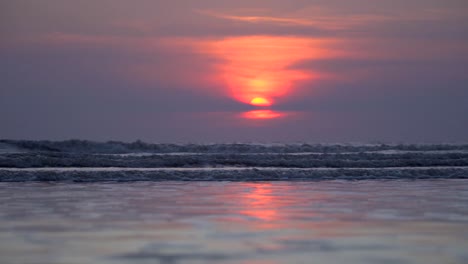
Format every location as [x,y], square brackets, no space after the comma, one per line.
[260,101]
[258,70]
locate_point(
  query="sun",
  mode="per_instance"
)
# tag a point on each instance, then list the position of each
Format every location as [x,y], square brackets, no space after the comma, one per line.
[260,101]
[257,69]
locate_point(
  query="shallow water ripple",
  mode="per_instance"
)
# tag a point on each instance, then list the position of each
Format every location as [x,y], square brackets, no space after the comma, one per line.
[422,221]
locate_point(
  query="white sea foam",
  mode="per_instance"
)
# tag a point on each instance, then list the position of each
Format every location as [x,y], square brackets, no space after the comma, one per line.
[92,161]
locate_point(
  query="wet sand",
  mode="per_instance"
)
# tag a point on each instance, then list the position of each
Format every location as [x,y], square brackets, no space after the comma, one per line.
[423,221]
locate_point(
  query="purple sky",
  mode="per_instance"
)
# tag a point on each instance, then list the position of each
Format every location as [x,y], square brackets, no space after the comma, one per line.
[187,70]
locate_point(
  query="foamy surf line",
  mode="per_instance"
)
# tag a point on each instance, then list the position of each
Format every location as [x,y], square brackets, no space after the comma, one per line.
[99,174]
[87,161]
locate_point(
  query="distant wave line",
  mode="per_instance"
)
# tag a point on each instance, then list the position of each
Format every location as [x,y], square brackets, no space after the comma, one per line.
[117,169]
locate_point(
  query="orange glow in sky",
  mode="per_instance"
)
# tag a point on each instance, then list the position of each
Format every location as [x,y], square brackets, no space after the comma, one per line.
[258,70]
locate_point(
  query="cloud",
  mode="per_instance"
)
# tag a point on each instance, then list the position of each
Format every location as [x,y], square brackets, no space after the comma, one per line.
[326,20]
[259,19]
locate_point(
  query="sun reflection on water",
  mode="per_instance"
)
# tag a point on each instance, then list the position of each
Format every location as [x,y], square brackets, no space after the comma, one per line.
[261,203]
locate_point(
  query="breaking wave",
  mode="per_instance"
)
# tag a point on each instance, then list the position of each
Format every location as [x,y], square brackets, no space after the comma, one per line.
[77,160]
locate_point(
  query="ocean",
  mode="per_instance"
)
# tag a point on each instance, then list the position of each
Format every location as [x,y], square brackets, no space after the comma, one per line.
[87,202]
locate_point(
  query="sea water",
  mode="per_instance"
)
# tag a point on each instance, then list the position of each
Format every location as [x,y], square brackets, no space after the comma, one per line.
[175,222]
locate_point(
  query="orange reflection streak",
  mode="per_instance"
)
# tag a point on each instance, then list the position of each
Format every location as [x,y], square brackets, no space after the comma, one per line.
[274,206]
[260,203]
[258,69]
[262,114]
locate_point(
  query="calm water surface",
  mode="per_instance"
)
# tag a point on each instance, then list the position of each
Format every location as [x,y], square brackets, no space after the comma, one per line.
[223,222]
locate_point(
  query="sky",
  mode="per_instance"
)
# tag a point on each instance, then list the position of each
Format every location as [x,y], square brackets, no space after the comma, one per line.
[201,71]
